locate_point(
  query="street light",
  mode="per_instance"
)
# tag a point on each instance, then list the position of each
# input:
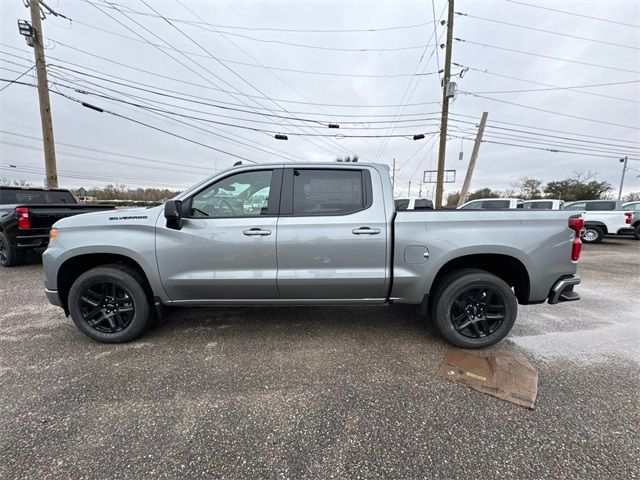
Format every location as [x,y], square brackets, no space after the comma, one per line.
[26,30]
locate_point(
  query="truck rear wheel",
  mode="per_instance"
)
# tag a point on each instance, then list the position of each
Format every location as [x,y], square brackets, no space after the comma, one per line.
[110,304]
[592,234]
[474,308]
[9,256]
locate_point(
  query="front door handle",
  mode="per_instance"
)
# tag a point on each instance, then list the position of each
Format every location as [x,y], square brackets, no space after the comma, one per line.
[255,232]
[365,231]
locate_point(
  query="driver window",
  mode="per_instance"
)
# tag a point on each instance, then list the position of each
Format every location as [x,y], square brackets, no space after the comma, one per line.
[240,195]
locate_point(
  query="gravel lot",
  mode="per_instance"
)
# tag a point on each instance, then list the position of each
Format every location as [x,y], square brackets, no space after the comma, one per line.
[319,392]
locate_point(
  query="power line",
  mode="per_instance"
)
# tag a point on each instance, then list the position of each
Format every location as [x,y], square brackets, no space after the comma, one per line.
[184,55]
[554,137]
[17,78]
[243,79]
[110,78]
[110,160]
[543,129]
[246,64]
[82,176]
[513,50]
[528,27]
[552,150]
[300,134]
[321,122]
[577,117]
[274,29]
[554,144]
[111,153]
[400,110]
[575,14]
[345,105]
[563,88]
[533,82]
[320,47]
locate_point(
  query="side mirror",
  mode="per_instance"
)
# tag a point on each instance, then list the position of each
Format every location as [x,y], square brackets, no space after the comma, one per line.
[173,214]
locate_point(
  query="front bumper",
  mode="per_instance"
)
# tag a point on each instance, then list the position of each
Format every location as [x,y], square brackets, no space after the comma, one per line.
[52,296]
[562,290]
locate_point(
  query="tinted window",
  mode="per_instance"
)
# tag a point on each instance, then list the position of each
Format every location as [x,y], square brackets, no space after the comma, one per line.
[496,204]
[574,206]
[539,205]
[11,196]
[422,203]
[472,206]
[240,195]
[402,204]
[601,206]
[327,192]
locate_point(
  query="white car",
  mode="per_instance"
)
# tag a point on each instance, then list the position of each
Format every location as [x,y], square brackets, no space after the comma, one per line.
[413,203]
[602,217]
[543,204]
[493,204]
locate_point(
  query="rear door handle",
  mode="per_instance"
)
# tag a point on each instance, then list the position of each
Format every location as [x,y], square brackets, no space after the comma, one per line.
[365,231]
[256,232]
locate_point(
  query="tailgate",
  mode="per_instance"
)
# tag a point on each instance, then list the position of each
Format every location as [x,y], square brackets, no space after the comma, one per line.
[43,216]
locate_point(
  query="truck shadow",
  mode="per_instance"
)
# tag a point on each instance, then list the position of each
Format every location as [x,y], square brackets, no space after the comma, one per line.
[291,322]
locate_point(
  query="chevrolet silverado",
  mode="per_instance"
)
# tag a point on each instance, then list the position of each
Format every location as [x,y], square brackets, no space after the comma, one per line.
[309,234]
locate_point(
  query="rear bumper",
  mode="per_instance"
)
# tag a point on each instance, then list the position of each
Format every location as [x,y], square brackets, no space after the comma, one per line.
[52,296]
[32,241]
[562,290]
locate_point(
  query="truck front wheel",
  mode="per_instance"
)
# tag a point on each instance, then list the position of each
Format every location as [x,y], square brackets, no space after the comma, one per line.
[110,304]
[474,308]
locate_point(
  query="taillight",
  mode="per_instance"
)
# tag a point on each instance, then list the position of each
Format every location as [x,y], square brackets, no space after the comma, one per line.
[576,224]
[24,221]
[629,218]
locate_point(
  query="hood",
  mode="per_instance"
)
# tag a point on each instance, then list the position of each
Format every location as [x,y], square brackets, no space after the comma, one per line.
[129,216]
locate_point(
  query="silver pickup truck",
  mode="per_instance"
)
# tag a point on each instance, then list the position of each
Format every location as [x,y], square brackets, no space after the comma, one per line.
[309,234]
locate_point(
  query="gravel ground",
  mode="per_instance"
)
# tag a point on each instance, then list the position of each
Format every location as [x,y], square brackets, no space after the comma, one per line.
[319,392]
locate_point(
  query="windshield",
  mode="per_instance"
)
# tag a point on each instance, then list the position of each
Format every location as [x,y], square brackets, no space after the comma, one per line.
[24,196]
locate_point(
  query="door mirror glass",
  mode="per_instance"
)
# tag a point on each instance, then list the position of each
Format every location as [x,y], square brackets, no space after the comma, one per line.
[173,214]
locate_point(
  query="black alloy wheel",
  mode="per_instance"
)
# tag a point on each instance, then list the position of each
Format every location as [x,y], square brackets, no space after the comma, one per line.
[478,312]
[107,306]
[4,251]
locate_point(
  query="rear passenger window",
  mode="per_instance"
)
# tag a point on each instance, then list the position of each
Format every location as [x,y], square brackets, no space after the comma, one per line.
[328,192]
[496,204]
[601,206]
[422,204]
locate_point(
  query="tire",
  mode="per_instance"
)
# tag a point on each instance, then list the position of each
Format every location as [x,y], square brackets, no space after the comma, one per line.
[9,256]
[592,234]
[111,304]
[636,232]
[478,299]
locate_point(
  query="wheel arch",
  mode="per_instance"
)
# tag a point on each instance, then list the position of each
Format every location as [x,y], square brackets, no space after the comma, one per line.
[595,223]
[75,266]
[508,268]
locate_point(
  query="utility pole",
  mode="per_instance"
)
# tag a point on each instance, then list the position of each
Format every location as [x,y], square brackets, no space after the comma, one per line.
[624,170]
[445,108]
[409,195]
[43,94]
[420,191]
[472,160]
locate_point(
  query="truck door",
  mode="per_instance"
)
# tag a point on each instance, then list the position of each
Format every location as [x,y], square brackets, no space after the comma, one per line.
[332,235]
[226,249]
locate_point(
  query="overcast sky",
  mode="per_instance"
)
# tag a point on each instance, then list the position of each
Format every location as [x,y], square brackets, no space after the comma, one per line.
[380,78]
